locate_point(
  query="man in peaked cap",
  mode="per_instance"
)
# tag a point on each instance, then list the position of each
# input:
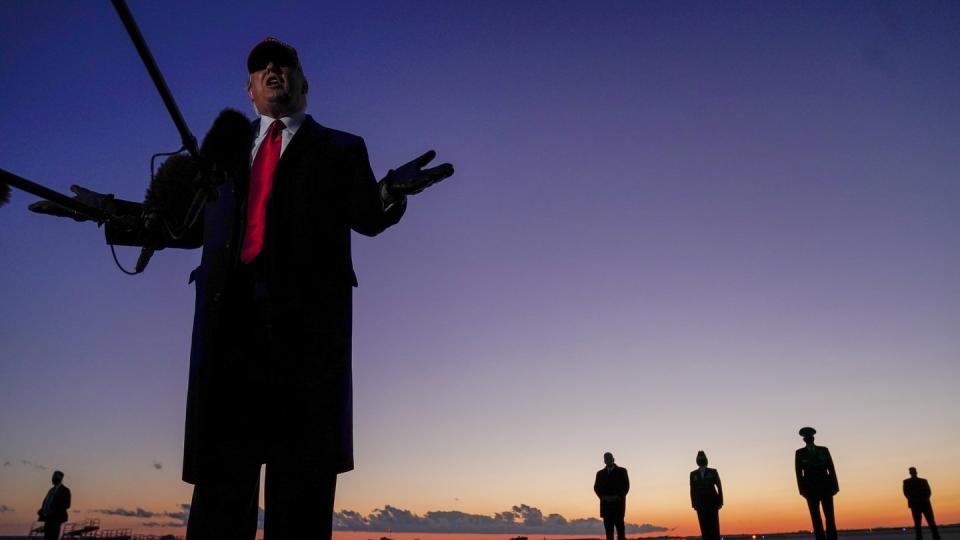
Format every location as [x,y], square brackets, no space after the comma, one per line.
[817,481]
[706,497]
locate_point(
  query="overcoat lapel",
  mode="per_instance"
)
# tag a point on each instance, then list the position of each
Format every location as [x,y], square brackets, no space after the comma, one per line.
[310,137]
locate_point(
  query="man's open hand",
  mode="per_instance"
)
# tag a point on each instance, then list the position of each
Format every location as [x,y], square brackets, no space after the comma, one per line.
[100,201]
[411,178]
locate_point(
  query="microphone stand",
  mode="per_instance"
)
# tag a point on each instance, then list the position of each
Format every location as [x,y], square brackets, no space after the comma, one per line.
[189,141]
[84,210]
[150,220]
[205,182]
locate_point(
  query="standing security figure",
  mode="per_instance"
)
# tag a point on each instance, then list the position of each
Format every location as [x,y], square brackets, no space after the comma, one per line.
[917,492]
[706,496]
[53,509]
[612,485]
[817,481]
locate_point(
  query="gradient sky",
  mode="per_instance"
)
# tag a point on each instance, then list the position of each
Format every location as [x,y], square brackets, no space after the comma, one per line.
[674,226]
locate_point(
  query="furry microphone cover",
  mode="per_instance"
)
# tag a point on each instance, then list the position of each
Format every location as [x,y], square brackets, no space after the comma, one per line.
[226,156]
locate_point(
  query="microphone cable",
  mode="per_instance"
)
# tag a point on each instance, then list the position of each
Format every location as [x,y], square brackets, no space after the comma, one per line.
[153,161]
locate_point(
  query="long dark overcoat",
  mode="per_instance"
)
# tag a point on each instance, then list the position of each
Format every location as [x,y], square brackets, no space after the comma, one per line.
[615,482]
[292,398]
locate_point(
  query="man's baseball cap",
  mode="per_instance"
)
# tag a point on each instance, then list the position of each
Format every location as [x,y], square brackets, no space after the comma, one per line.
[272,49]
[807,431]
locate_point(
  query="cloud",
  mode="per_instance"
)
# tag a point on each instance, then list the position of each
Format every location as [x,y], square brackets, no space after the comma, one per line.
[180,516]
[5,508]
[139,512]
[36,466]
[157,465]
[519,519]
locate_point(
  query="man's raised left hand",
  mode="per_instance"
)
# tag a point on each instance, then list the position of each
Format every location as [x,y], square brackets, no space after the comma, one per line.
[411,178]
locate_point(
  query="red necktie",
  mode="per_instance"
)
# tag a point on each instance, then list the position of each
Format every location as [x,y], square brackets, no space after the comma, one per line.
[261,181]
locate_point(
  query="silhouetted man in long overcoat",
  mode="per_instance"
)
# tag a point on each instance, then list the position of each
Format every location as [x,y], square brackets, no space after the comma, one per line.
[817,481]
[611,486]
[917,492]
[270,363]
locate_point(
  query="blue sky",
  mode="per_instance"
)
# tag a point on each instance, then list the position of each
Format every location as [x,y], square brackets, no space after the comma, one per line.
[674,226]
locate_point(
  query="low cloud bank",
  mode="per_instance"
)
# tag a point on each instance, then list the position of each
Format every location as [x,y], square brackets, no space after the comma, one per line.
[519,519]
[180,516]
[139,512]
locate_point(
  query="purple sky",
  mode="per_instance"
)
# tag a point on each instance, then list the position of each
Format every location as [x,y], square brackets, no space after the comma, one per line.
[673,226]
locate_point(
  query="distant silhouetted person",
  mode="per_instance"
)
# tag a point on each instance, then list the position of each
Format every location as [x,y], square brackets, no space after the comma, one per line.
[817,480]
[917,492]
[53,509]
[612,485]
[706,496]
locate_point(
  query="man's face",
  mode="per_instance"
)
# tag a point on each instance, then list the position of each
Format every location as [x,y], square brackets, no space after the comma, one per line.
[278,89]
[57,478]
[808,439]
[608,459]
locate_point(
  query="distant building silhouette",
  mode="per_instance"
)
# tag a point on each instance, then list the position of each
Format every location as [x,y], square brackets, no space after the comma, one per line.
[611,486]
[817,481]
[706,497]
[917,492]
[53,509]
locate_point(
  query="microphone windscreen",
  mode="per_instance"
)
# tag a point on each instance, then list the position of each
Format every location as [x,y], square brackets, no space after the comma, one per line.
[226,147]
[228,143]
[172,189]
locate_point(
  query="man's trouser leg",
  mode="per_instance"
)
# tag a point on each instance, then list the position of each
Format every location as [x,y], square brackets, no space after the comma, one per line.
[298,501]
[917,521]
[608,527]
[704,520]
[715,524]
[829,517]
[225,505]
[620,529]
[932,523]
[51,530]
[709,524]
[813,503]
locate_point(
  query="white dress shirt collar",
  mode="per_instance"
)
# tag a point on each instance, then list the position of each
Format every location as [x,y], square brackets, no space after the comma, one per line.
[292,123]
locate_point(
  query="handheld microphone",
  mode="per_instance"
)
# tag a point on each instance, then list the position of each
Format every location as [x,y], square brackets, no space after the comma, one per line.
[151,230]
